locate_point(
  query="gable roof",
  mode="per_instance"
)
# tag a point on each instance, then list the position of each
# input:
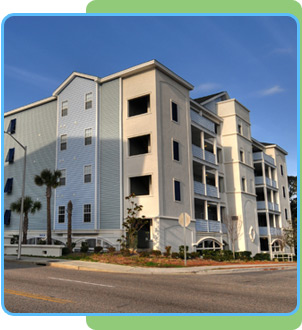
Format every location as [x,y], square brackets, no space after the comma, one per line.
[208,98]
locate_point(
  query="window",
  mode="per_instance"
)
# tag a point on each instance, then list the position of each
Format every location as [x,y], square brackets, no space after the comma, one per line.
[286,214]
[243,184]
[88,136]
[88,101]
[61,214]
[64,111]
[87,174]
[140,185]
[239,129]
[174,112]
[63,178]
[177,196]
[221,184]
[87,212]
[10,155]
[139,145]
[219,156]
[9,185]
[7,217]
[276,246]
[139,106]
[281,169]
[12,126]
[241,156]
[284,194]
[63,143]
[175,150]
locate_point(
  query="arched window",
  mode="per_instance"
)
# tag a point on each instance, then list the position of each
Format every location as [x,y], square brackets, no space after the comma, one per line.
[209,244]
[277,246]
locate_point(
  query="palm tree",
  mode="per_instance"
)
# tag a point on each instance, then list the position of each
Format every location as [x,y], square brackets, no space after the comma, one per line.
[69,211]
[51,181]
[29,207]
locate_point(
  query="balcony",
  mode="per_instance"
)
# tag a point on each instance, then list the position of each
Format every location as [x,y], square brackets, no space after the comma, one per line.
[206,190]
[276,207]
[259,180]
[263,231]
[202,121]
[262,156]
[261,205]
[210,226]
[210,157]
[197,152]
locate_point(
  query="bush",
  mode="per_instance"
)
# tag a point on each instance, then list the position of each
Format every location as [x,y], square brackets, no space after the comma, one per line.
[144,254]
[262,256]
[181,248]
[218,255]
[98,249]
[156,253]
[243,255]
[111,249]
[168,251]
[84,247]
[125,252]
[195,255]
[174,255]
[65,251]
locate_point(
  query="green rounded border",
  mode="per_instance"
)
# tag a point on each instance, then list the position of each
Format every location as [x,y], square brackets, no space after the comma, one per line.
[287,7]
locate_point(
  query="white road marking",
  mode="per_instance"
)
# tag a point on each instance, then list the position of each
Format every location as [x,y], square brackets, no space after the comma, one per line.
[64,279]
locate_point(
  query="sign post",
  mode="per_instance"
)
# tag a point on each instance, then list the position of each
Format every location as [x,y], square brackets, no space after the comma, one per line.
[184,220]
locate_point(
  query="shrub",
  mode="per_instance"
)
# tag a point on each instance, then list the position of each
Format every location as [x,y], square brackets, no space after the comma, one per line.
[243,255]
[181,248]
[84,247]
[125,252]
[218,255]
[65,251]
[195,255]
[168,251]
[111,249]
[98,249]
[156,253]
[174,255]
[262,256]
[144,254]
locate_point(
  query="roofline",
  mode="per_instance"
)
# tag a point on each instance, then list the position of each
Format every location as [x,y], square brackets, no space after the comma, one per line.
[31,105]
[277,147]
[153,64]
[255,141]
[235,100]
[208,112]
[214,97]
[70,78]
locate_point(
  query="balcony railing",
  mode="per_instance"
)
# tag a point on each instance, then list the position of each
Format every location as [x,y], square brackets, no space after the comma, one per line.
[197,152]
[263,156]
[261,205]
[210,226]
[273,231]
[210,157]
[202,189]
[259,180]
[276,207]
[202,121]
[270,206]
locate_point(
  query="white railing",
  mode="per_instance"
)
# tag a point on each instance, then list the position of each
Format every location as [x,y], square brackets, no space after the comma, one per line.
[283,256]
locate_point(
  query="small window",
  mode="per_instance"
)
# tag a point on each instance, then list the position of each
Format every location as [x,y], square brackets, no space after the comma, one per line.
[221,184]
[175,150]
[63,178]
[64,111]
[243,181]
[88,136]
[281,169]
[286,215]
[10,155]
[139,145]
[241,156]
[9,185]
[61,214]
[239,129]
[177,196]
[88,101]
[140,185]
[7,215]
[12,126]
[139,106]
[63,143]
[87,173]
[87,212]
[174,110]
[284,194]
[219,156]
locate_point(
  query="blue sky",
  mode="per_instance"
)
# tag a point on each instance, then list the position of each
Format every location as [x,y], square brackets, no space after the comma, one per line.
[252,58]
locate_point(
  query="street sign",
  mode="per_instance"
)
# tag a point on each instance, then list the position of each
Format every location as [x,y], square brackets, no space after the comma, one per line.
[184,219]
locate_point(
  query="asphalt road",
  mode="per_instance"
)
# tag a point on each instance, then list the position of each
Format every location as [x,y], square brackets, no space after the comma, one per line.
[42,289]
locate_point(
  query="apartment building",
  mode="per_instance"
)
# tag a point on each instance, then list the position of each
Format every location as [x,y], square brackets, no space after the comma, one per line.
[138,131]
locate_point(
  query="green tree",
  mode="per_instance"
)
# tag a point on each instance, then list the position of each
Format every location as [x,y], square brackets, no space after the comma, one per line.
[51,181]
[292,187]
[69,212]
[132,224]
[29,207]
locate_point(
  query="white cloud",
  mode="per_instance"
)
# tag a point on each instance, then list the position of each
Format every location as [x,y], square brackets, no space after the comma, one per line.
[207,87]
[282,51]
[271,91]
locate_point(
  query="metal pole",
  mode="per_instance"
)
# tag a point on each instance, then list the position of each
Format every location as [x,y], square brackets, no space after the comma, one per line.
[22,196]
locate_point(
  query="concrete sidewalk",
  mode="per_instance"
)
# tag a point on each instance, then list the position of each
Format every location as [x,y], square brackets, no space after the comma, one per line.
[111,268]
